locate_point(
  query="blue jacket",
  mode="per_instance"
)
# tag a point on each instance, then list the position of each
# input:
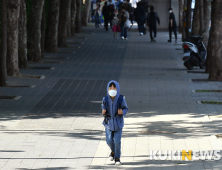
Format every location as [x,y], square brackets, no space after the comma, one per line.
[115,123]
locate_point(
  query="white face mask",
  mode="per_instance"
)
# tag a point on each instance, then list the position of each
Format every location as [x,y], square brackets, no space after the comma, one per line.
[170,11]
[112,93]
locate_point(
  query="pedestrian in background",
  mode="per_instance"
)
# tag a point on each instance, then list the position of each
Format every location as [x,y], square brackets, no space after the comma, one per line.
[98,16]
[111,9]
[124,16]
[140,17]
[172,25]
[152,17]
[105,13]
[116,27]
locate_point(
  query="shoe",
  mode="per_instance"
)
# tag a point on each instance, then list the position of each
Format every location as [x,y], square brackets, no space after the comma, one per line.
[169,41]
[111,156]
[154,40]
[141,33]
[117,161]
[122,38]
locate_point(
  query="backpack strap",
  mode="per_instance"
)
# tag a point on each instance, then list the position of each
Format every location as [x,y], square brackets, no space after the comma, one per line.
[106,115]
[119,103]
[106,103]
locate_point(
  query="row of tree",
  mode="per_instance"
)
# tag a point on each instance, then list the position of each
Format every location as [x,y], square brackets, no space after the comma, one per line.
[206,13]
[31,27]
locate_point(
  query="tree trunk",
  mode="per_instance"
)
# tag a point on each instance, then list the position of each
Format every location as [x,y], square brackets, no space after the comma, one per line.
[3,49]
[201,17]
[35,31]
[208,59]
[181,15]
[13,10]
[69,22]
[43,32]
[214,54]
[52,27]
[22,50]
[207,17]
[63,20]
[73,17]
[188,18]
[89,17]
[85,13]
[78,22]
[196,19]
[184,22]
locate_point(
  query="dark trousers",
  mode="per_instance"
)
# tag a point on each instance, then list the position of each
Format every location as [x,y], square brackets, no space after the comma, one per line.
[152,30]
[174,29]
[123,31]
[110,22]
[141,26]
[106,23]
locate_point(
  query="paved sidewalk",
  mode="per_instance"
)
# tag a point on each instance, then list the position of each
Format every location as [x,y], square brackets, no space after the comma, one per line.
[55,125]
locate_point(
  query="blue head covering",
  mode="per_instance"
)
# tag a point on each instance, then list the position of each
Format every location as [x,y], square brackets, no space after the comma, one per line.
[117,95]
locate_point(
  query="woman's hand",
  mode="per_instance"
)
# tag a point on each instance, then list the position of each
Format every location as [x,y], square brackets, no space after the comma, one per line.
[104,111]
[120,111]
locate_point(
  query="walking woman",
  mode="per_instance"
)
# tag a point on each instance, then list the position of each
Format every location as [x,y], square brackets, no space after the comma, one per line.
[106,15]
[98,16]
[124,16]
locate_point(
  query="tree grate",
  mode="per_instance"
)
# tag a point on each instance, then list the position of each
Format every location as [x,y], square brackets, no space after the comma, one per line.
[205,91]
[202,72]
[32,86]
[157,132]
[45,61]
[10,97]
[33,76]
[42,67]
[211,102]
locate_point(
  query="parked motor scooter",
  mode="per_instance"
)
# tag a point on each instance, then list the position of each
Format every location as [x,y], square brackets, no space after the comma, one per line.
[195,52]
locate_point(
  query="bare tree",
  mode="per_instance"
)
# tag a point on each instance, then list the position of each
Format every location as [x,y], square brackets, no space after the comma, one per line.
[13,10]
[69,34]
[63,20]
[78,22]
[181,15]
[73,16]
[188,18]
[85,12]
[22,50]
[201,17]
[207,17]
[214,55]
[35,31]
[52,28]
[184,22]
[196,19]
[3,49]
[43,25]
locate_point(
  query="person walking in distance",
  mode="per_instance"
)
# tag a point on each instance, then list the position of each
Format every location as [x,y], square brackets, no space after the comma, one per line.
[114,108]
[152,17]
[111,9]
[141,17]
[105,13]
[124,16]
[172,25]
[98,16]
[116,27]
